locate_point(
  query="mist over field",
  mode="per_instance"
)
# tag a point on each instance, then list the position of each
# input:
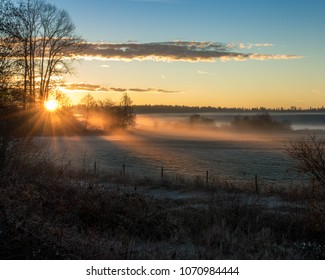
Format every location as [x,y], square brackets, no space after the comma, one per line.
[185,148]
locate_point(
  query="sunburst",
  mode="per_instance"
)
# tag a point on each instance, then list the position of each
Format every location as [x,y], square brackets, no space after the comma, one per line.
[51,105]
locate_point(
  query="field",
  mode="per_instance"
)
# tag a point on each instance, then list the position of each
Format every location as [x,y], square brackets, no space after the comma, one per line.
[51,211]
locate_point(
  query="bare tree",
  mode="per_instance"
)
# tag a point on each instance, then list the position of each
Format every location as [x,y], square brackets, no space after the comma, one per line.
[308,155]
[47,40]
[5,70]
[87,103]
[63,100]
[106,104]
[20,23]
[8,52]
[58,43]
[125,112]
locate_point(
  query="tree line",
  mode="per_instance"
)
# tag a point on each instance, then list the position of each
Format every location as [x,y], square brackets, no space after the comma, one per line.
[160,109]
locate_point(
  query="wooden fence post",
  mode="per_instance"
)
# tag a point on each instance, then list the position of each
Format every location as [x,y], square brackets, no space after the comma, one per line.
[207,178]
[256,184]
[123,169]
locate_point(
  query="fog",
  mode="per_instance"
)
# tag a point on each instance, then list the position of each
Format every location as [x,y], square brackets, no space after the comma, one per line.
[181,128]
[184,149]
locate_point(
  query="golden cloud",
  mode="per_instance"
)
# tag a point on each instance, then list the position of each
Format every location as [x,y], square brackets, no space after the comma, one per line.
[99,88]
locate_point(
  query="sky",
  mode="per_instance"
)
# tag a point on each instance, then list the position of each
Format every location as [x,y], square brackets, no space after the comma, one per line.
[227,53]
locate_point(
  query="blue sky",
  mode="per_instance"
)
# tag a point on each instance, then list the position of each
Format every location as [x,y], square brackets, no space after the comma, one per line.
[277,27]
[229,20]
[201,20]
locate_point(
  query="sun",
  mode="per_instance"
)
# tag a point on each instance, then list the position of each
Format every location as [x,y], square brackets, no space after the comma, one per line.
[51,105]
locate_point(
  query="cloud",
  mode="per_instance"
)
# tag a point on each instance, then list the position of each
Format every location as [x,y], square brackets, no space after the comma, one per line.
[251,46]
[177,51]
[84,87]
[151,90]
[274,57]
[99,88]
[205,73]
[119,89]
[316,91]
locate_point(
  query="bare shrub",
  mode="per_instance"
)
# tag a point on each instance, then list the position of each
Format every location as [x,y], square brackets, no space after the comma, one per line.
[308,155]
[24,157]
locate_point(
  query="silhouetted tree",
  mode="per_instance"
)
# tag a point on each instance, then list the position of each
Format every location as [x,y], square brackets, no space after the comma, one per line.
[46,38]
[8,52]
[106,104]
[125,112]
[63,100]
[87,103]
[5,71]
[107,113]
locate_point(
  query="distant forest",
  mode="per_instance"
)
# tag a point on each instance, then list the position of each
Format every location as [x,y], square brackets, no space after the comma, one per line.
[156,109]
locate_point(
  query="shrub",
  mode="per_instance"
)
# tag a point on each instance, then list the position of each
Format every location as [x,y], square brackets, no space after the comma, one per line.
[308,155]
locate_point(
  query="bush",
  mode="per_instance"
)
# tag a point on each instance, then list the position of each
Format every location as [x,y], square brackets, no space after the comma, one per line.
[308,155]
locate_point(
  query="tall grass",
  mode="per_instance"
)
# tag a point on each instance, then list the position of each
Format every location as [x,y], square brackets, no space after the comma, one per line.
[53,212]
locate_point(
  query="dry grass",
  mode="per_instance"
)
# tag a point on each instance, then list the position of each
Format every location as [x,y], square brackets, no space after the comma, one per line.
[48,212]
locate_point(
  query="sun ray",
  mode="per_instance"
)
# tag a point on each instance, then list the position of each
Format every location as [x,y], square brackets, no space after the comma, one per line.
[51,105]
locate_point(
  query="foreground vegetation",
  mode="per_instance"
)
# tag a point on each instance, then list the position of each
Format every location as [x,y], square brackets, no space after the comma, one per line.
[49,212]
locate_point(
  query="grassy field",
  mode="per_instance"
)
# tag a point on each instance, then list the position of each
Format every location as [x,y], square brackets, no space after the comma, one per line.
[53,212]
